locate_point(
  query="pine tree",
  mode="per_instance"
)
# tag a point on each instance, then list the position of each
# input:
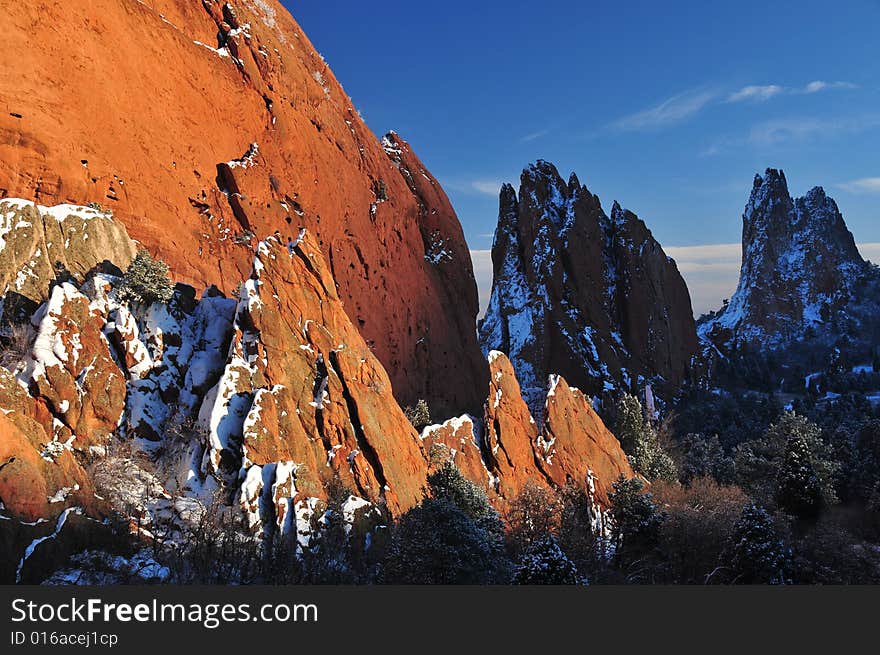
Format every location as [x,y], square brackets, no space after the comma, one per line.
[637,521]
[544,563]
[146,281]
[640,441]
[757,554]
[798,489]
[454,536]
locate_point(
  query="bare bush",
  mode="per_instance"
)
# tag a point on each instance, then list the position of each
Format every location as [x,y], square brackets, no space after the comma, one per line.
[15,344]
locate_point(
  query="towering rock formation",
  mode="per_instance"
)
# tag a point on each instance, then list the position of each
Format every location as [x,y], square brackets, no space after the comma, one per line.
[801,271]
[267,398]
[208,125]
[580,294]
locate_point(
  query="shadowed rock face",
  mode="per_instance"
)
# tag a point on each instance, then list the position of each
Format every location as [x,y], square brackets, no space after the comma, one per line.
[582,294]
[801,268]
[207,125]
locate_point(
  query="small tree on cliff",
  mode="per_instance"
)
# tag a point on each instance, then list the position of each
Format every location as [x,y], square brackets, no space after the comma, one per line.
[146,281]
[419,416]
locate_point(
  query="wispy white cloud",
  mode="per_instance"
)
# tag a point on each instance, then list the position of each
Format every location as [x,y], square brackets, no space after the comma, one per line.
[534,136]
[864,185]
[763,92]
[487,187]
[755,93]
[673,110]
[819,85]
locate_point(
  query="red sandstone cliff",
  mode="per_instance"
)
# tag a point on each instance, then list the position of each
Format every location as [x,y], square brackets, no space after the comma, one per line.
[207,125]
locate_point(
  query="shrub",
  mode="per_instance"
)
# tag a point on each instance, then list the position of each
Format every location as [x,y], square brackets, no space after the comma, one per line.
[532,515]
[146,281]
[15,344]
[699,524]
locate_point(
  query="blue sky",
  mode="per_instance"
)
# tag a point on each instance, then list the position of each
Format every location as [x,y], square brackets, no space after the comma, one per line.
[669,108]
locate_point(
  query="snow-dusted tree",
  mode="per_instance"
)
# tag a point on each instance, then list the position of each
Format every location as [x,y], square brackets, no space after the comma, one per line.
[146,281]
[454,536]
[759,461]
[757,553]
[798,489]
[438,543]
[637,521]
[544,563]
[420,415]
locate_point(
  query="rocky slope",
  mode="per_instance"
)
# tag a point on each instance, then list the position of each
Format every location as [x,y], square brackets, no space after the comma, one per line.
[802,274]
[203,124]
[260,401]
[582,294]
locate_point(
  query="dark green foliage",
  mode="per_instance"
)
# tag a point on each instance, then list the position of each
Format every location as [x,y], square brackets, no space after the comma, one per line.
[438,543]
[146,281]
[759,461]
[733,417]
[637,519]
[453,537]
[757,552]
[577,517]
[544,563]
[640,441]
[703,456]
[798,489]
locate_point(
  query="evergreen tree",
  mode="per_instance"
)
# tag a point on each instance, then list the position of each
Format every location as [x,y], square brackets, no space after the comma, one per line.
[757,553]
[437,543]
[640,441]
[637,521]
[798,489]
[146,281]
[544,563]
[758,461]
[454,536]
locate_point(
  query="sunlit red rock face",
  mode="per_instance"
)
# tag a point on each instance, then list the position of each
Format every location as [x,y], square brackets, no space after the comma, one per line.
[574,446]
[201,124]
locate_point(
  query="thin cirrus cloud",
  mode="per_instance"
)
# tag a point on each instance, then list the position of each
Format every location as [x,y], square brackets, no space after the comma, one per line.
[688,104]
[673,110]
[756,93]
[863,185]
[534,136]
[773,132]
[764,92]
[487,187]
